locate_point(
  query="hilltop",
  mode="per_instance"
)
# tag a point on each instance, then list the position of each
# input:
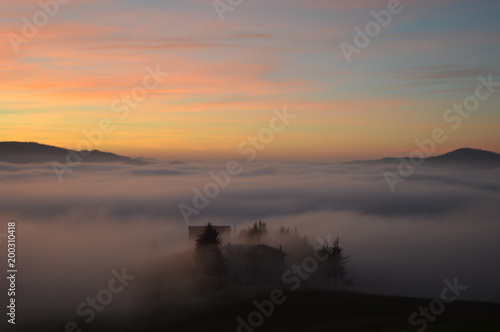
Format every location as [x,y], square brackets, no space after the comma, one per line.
[460,158]
[30,152]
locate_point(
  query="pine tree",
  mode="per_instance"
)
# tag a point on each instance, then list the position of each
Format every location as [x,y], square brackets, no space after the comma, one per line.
[255,233]
[208,252]
[335,266]
[297,246]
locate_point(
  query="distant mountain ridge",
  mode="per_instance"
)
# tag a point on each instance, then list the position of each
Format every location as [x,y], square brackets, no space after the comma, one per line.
[30,152]
[460,158]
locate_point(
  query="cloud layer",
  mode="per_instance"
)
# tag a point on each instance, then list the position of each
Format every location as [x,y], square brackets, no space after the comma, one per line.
[436,225]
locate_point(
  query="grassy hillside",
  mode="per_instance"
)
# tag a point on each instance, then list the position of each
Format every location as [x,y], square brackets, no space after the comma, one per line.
[315,311]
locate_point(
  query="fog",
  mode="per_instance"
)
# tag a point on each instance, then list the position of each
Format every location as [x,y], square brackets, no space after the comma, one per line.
[438,224]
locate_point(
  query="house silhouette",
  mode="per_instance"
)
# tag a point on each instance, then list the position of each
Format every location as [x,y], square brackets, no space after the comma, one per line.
[247,263]
[257,263]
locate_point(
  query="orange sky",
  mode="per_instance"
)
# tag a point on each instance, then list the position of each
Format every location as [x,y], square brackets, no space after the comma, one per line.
[226,77]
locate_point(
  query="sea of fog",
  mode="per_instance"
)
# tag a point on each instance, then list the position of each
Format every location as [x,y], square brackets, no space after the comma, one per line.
[439,224]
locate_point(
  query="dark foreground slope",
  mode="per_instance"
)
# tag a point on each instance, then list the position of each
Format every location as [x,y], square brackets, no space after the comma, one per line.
[303,310]
[314,311]
[25,153]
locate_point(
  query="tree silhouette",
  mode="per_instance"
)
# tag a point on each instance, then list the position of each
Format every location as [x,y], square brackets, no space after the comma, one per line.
[335,266]
[295,245]
[208,252]
[284,230]
[255,233]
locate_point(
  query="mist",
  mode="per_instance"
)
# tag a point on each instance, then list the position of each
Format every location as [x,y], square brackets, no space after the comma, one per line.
[438,224]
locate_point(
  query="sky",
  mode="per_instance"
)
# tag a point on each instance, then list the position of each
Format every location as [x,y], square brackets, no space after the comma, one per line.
[226,76]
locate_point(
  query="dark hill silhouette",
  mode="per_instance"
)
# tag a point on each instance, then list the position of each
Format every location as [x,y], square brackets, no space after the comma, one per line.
[466,157]
[30,152]
[461,158]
